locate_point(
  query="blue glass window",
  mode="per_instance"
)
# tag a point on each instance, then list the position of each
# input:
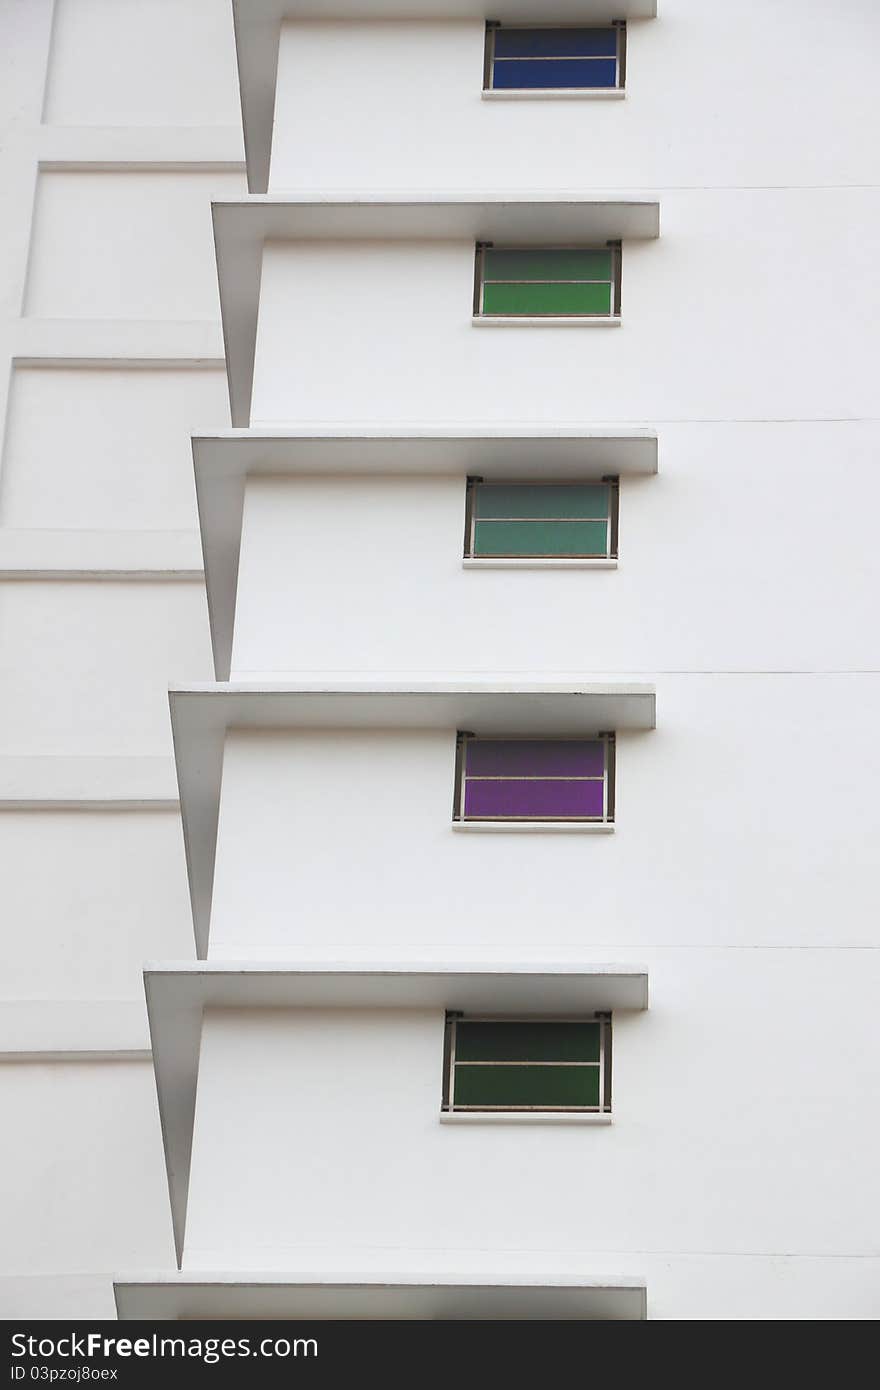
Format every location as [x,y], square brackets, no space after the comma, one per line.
[547,59]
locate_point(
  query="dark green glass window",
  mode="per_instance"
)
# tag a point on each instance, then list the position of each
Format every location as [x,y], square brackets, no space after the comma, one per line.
[527,1064]
[581,282]
[541,520]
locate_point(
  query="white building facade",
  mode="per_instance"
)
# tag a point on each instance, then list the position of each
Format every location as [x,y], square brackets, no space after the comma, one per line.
[615,778]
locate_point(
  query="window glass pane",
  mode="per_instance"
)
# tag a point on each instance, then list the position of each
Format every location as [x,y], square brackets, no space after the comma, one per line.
[525,74]
[554,43]
[532,501]
[533,799]
[546,265]
[526,1085]
[535,758]
[538,299]
[525,538]
[526,1042]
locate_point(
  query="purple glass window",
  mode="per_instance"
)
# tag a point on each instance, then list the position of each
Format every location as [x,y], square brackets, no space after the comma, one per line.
[535,779]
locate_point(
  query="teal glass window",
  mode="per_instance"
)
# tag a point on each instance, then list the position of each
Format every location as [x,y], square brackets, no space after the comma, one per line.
[541,520]
[551,282]
[527,1064]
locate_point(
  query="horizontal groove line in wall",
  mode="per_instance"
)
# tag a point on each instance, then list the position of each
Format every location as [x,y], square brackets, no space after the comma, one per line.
[89,803]
[120,1054]
[149,165]
[22,574]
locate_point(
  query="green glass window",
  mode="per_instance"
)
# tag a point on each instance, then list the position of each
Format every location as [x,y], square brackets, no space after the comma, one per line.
[541,520]
[527,1064]
[580,282]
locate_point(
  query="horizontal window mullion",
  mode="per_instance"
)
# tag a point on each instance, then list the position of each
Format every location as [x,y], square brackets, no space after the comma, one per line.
[530,520]
[543,1062]
[534,777]
[554,58]
[529,1109]
[546,280]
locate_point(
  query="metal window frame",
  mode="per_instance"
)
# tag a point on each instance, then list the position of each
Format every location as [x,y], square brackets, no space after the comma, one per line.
[608,778]
[620,26]
[614,246]
[470,517]
[610,481]
[479,260]
[454,1017]
[489,53]
[493,25]
[616,249]
[461,739]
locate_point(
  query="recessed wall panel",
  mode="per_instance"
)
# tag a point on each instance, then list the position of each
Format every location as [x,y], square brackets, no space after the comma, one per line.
[125,245]
[99,449]
[119,62]
[86,665]
[89,895]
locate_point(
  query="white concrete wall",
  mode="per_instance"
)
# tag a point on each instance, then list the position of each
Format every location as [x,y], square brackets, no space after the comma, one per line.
[716,94]
[134,470]
[94,660]
[740,869]
[125,245]
[318,1145]
[161,63]
[118,123]
[118,881]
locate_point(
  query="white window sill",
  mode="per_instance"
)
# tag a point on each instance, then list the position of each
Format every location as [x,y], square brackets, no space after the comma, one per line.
[544,321]
[553,94]
[532,1117]
[533,827]
[543,562]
